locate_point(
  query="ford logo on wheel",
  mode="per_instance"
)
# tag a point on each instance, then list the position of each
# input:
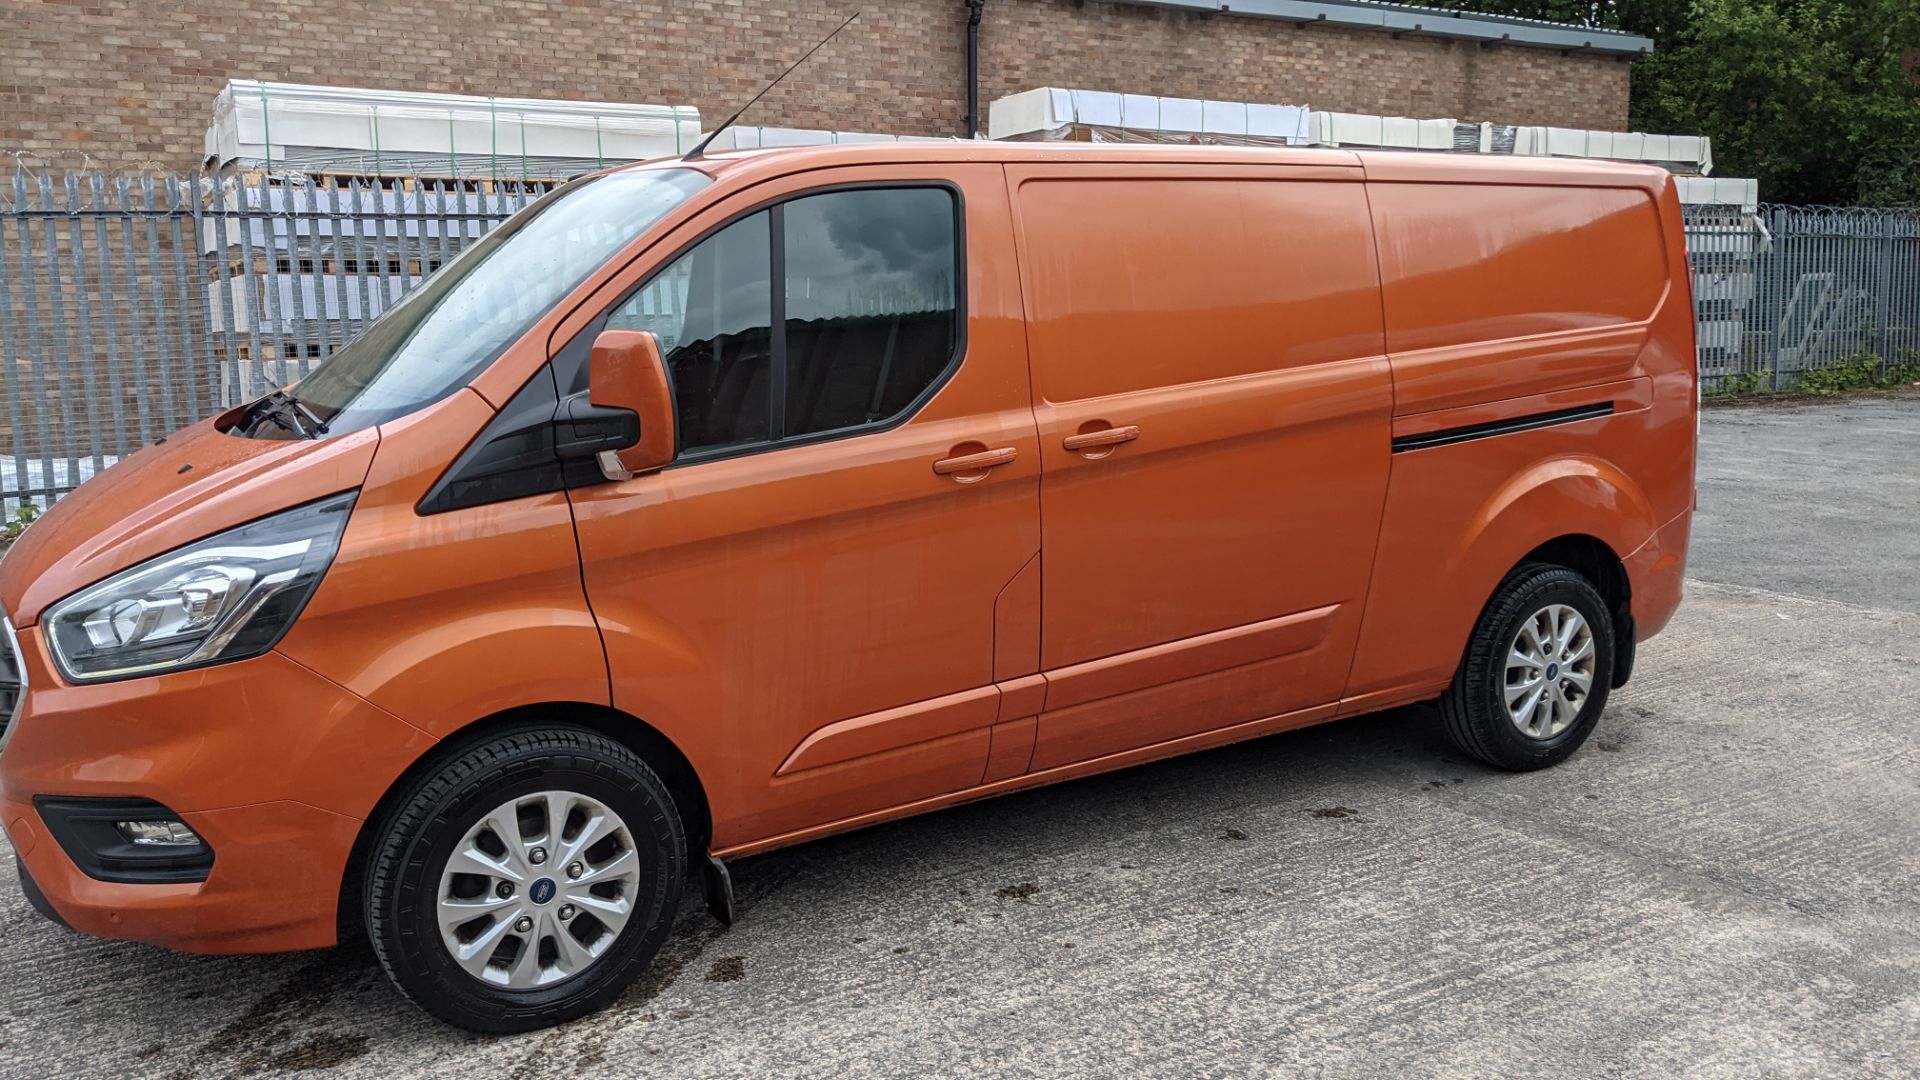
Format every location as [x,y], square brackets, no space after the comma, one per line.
[542,890]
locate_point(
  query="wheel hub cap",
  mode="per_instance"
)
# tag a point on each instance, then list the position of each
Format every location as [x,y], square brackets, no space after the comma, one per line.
[1549,671]
[497,916]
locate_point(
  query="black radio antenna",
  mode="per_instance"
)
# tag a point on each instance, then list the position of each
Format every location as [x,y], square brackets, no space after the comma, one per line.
[711,135]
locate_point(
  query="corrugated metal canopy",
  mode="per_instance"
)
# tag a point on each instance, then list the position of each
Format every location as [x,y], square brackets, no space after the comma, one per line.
[1409,19]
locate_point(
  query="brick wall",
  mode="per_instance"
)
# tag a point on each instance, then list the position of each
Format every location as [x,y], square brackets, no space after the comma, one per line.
[133,83]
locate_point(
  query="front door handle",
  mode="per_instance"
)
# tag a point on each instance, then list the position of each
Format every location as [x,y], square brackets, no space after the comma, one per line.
[1112,436]
[967,468]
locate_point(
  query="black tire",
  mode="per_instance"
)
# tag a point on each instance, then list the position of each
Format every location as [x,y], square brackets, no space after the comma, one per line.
[1474,708]
[432,816]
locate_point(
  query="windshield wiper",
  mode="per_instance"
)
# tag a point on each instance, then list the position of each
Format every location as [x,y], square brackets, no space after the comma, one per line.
[281,408]
[299,407]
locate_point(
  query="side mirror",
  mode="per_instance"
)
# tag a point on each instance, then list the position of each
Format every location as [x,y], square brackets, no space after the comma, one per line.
[626,372]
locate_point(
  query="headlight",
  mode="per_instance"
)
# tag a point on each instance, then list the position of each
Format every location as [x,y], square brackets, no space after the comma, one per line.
[227,597]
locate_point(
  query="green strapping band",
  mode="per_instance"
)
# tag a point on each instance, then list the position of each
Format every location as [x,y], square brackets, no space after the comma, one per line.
[599,154]
[266,125]
[374,111]
[493,132]
[453,158]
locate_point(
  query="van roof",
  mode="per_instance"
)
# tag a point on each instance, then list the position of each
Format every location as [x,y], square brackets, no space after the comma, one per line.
[1398,165]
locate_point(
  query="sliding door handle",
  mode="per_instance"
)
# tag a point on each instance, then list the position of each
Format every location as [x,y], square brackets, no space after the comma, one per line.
[1113,436]
[967,468]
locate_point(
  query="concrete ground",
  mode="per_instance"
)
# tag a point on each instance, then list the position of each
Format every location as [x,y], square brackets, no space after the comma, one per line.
[1816,498]
[1724,882]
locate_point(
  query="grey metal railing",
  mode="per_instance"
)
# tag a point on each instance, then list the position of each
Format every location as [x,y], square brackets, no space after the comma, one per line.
[1795,297]
[133,305]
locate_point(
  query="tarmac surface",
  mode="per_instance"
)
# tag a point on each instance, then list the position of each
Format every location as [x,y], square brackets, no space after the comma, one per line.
[1817,498]
[1724,882]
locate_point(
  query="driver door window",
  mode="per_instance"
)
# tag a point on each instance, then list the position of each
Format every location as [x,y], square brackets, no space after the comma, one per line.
[712,311]
[866,320]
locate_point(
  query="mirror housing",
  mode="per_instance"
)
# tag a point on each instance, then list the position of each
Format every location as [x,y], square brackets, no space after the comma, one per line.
[626,371]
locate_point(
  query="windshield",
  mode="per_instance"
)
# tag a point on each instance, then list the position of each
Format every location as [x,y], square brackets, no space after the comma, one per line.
[451,327]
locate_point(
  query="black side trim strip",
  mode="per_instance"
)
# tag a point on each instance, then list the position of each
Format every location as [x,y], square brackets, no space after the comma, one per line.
[1448,436]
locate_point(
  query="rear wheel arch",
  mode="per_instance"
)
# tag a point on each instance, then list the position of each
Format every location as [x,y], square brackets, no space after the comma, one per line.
[1582,513]
[1591,558]
[660,753]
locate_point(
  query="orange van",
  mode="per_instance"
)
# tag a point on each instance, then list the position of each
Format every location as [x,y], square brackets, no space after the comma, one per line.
[709,506]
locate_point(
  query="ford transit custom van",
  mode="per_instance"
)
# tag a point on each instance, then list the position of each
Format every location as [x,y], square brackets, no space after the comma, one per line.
[709,506]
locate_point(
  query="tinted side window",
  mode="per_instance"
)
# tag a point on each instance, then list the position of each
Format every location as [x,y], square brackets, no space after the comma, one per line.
[870,314]
[866,318]
[712,310]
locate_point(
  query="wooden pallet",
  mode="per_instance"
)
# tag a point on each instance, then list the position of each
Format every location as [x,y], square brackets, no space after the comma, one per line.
[332,181]
[270,352]
[411,266]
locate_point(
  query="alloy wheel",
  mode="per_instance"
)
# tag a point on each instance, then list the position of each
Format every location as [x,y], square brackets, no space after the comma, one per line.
[1549,671]
[538,890]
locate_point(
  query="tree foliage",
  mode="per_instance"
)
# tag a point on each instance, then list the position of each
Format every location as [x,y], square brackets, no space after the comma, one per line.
[1819,99]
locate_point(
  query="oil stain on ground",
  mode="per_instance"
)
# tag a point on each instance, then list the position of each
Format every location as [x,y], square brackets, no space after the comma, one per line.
[1018,892]
[591,1036]
[728,969]
[262,1034]
[320,1052]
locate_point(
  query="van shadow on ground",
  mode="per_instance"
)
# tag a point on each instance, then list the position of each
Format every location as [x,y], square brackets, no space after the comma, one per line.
[241,1015]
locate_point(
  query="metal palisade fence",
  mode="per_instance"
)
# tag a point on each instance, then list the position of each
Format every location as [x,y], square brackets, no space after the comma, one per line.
[132,305]
[1815,297]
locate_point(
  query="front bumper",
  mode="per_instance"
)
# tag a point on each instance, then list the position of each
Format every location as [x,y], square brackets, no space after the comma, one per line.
[273,765]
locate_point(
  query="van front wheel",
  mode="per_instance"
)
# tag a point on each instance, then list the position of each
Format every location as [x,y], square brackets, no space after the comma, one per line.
[1536,672]
[527,881]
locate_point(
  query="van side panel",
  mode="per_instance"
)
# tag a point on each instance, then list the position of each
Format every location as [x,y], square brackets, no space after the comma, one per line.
[1540,337]
[1471,264]
[1210,568]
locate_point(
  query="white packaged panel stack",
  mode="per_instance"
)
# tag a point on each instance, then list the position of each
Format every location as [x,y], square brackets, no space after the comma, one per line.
[343,130]
[1390,132]
[1687,155]
[1724,233]
[369,192]
[1051,114]
[746,137]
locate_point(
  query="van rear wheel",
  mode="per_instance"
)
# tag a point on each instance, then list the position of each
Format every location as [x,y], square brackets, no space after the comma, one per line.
[1536,673]
[527,881]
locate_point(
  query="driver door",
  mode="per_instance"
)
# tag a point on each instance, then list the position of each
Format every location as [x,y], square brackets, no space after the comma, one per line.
[805,600]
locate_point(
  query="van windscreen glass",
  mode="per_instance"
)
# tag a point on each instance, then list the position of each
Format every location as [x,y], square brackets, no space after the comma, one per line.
[461,318]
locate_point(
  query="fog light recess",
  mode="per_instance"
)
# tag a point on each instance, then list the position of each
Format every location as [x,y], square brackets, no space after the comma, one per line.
[126,840]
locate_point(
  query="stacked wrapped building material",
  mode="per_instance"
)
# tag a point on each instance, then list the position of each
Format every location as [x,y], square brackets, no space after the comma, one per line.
[747,137]
[1051,114]
[287,127]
